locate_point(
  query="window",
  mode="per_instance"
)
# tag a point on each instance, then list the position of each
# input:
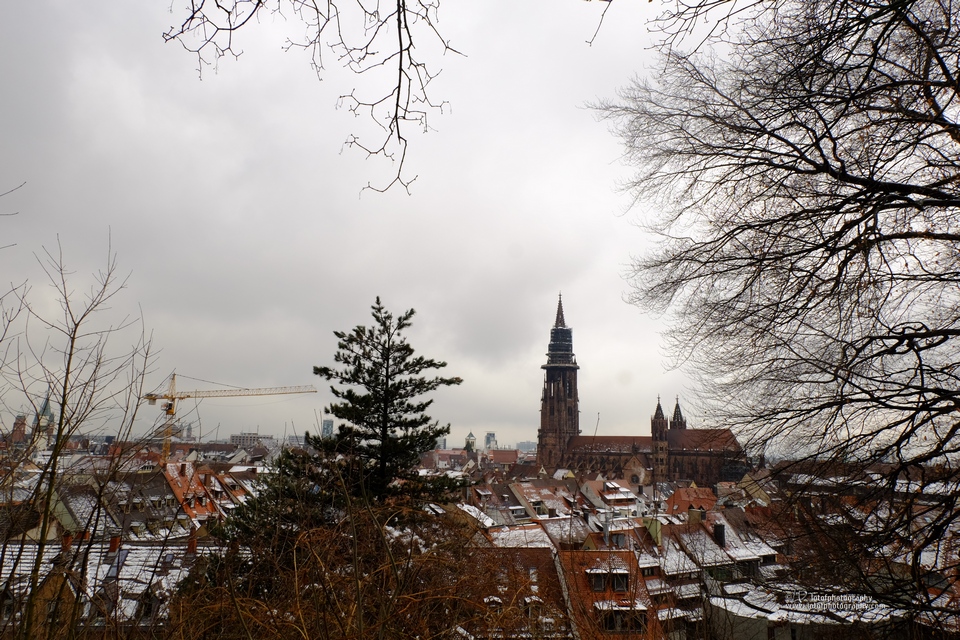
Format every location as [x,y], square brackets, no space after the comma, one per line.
[619,540]
[145,606]
[53,613]
[598,580]
[648,571]
[620,620]
[534,606]
[7,605]
[621,581]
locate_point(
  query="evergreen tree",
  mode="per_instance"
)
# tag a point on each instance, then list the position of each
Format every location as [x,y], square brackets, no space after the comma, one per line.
[381,389]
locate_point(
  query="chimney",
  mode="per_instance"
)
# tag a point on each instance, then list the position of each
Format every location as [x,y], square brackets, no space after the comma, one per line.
[719,534]
[67,541]
[693,515]
[183,468]
[114,544]
[606,527]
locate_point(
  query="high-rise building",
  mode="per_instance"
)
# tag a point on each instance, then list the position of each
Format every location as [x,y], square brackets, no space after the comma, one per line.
[246,440]
[490,441]
[326,428]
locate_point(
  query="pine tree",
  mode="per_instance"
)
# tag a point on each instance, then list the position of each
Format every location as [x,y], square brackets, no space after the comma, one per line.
[381,389]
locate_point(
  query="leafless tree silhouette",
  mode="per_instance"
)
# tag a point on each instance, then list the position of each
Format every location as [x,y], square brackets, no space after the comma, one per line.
[378,38]
[806,174]
[61,362]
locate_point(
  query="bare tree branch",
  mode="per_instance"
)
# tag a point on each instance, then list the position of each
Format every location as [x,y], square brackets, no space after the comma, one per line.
[368,37]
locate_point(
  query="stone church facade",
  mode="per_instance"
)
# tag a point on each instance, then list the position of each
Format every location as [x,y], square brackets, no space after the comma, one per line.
[672,452]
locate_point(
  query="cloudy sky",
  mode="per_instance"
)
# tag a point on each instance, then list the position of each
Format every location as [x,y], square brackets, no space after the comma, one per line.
[234,207]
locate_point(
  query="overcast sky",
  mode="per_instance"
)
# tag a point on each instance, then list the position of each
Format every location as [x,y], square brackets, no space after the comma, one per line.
[238,215]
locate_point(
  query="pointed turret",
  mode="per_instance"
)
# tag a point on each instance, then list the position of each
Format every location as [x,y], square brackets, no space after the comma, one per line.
[560,322]
[658,414]
[678,421]
[560,350]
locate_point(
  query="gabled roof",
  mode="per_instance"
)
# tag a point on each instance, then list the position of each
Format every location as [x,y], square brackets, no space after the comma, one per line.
[609,444]
[702,439]
[698,544]
[521,536]
[686,498]
[516,590]
[581,568]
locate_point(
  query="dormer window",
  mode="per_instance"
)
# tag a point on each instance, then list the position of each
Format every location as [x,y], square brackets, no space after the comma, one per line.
[8,606]
[597,578]
[621,580]
[534,606]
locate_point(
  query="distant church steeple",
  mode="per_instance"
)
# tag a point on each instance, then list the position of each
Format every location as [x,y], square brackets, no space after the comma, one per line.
[658,428]
[678,421]
[560,402]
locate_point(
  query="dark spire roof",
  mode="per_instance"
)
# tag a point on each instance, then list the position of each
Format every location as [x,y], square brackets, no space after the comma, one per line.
[658,414]
[677,416]
[560,351]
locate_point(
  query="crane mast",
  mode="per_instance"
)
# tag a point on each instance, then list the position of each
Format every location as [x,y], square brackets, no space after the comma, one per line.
[171,397]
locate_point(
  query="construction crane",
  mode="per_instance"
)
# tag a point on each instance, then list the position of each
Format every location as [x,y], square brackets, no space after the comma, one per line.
[170,398]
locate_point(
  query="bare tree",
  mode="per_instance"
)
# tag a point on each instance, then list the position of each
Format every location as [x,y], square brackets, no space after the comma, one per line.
[807,180]
[378,38]
[64,366]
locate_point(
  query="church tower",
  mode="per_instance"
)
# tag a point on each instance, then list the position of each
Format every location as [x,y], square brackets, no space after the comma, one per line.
[560,403]
[678,421]
[658,428]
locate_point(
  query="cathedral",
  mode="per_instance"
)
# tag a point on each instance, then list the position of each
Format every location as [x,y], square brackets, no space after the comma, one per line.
[671,453]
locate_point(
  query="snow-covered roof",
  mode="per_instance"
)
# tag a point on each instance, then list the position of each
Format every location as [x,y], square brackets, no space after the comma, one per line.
[674,561]
[531,535]
[484,520]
